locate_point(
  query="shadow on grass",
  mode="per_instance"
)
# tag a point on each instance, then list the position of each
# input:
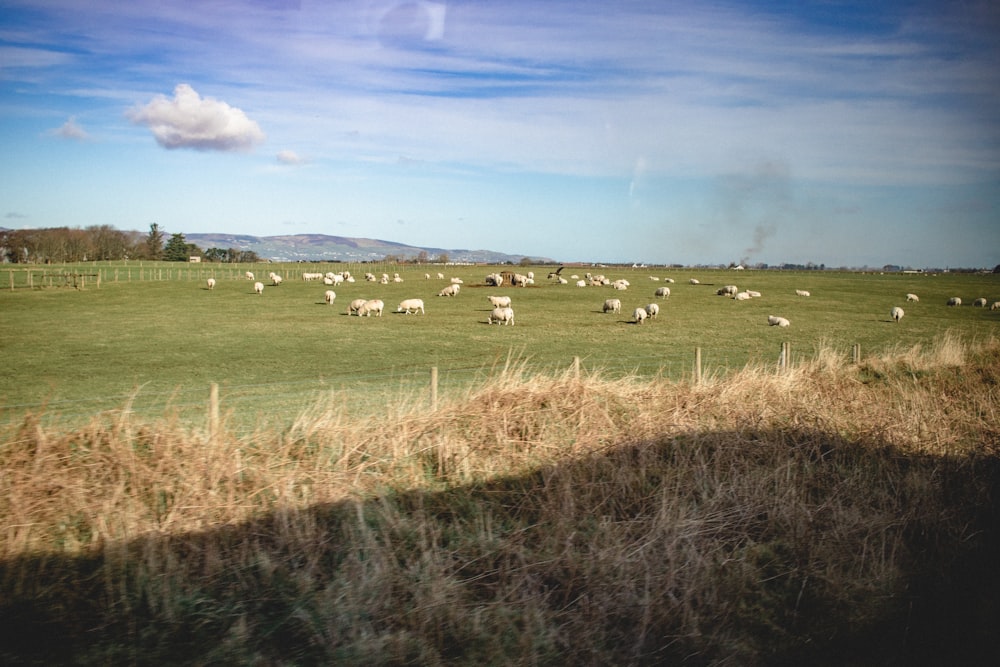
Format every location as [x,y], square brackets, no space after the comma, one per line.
[768,547]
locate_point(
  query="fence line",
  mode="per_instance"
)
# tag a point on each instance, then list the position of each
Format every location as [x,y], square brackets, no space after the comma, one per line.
[286,398]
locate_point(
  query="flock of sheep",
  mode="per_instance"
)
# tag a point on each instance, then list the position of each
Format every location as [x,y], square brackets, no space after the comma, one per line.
[503,312]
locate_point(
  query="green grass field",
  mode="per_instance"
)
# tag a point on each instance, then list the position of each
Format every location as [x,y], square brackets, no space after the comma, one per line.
[158,334]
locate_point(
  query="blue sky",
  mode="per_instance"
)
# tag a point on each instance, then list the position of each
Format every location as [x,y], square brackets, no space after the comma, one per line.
[844,133]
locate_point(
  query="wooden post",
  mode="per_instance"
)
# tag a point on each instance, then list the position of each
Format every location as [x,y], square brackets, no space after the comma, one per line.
[11,274]
[213,412]
[576,369]
[434,388]
[856,353]
[697,365]
[785,360]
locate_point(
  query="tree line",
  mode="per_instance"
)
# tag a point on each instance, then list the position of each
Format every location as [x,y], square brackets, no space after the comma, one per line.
[57,245]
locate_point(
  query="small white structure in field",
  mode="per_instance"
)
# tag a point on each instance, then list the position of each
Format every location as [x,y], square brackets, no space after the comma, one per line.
[329,296]
[777,321]
[408,305]
[258,287]
[640,315]
[502,316]
[896,313]
[211,283]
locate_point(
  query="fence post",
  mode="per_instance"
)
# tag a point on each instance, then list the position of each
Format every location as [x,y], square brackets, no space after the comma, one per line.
[213,412]
[856,353]
[11,274]
[434,388]
[697,365]
[785,360]
[576,368]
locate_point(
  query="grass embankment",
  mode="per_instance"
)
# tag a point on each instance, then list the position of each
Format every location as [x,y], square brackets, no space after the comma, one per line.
[831,514]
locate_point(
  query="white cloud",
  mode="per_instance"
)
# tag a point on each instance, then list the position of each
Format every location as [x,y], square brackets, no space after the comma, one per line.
[289,157]
[70,130]
[190,121]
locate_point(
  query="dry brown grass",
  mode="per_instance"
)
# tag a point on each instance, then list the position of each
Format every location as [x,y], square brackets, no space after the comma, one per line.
[763,517]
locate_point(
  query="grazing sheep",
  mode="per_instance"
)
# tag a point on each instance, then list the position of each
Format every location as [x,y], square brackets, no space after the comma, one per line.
[613,305]
[427,276]
[211,283]
[499,301]
[371,306]
[355,307]
[995,305]
[653,309]
[955,301]
[249,275]
[258,287]
[309,277]
[276,279]
[979,303]
[728,290]
[370,277]
[329,296]
[662,292]
[502,316]
[912,297]
[801,292]
[777,321]
[620,285]
[450,290]
[416,305]
[640,315]
[494,280]
[440,276]
[694,281]
[896,313]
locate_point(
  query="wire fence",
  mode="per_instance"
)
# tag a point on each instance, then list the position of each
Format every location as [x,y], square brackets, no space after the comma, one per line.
[246,406]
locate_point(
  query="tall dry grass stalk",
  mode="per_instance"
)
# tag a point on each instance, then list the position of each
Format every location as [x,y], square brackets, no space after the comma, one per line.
[534,520]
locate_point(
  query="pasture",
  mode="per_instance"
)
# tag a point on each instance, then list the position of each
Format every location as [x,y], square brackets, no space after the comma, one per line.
[152,339]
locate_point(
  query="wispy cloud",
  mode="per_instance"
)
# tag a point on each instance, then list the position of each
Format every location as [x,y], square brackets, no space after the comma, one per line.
[190,121]
[70,130]
[289,157]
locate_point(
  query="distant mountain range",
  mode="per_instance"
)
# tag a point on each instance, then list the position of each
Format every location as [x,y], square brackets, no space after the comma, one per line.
[322,247]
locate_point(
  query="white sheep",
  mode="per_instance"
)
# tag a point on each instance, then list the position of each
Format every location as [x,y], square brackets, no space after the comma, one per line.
[753,294]
[777,321]
[563,281]
[896,313]
[276,279]
[640,315]
[440,276]
[494,280]
[979,303]
[801,292]
[371,306]
[258,287]
[613,305]
[728,290]
[329,296]
[912,297]
[370,277]
[249,275]
[694,281]
[416,305]
[450,290]
[457,281]
[662,292]
[668,280]
[653,309]
[355,306]
[503,316]
[995,305]
[620,285]
[499,301]
[211,283]
[581,283]
[955,301]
